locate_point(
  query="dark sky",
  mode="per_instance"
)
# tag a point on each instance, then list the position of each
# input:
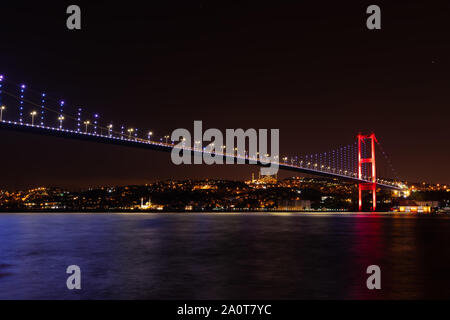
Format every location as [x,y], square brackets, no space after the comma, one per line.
[310,68]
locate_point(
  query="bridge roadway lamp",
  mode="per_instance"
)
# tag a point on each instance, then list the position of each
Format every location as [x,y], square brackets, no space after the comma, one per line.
[166,137]
[1,112]
[86,123]
[33,114]
[60,118]
[109,129]
[130,131]
[150,136]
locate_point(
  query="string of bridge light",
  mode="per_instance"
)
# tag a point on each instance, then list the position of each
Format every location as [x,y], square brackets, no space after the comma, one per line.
[61,115]
[341,161]
[131,132]
[44,96]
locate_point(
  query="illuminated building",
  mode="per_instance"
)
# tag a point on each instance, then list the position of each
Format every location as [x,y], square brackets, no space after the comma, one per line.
[294,205]
[410,206]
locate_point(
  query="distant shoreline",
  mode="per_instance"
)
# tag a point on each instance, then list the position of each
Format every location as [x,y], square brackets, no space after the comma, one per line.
[225,211]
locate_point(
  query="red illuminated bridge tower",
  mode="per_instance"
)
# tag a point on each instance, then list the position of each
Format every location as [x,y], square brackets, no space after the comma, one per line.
[362,139]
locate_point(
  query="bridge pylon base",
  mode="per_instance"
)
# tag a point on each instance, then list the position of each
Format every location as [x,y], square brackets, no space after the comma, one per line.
[371,187]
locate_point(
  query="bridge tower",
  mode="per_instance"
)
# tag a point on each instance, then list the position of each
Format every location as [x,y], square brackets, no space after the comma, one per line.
[372,186]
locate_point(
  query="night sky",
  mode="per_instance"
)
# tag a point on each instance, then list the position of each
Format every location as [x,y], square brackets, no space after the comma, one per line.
[312,70]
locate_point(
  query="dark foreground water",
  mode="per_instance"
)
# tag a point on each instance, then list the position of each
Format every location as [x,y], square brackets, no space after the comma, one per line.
[223,256]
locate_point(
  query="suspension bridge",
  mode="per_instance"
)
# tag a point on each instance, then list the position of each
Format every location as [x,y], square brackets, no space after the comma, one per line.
[23,109]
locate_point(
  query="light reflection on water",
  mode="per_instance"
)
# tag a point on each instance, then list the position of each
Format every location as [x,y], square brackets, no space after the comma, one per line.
[223,256]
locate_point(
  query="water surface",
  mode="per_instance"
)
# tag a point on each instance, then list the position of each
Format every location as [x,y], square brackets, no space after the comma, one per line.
[223,256]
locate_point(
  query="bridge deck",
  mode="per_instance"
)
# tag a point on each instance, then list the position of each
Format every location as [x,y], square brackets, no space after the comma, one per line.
[160,146]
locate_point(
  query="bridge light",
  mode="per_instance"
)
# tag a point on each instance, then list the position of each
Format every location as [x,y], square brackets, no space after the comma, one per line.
[1,112]
[60,118]
[95,123]
[79,119]
[86,123]
[32,114]
[42,108]
[22,92]
[130,131]
[150,135]
[61,110]
[1,80]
